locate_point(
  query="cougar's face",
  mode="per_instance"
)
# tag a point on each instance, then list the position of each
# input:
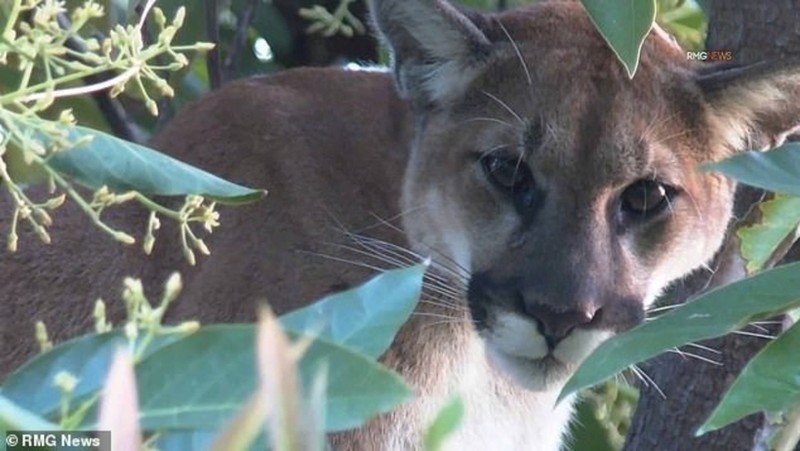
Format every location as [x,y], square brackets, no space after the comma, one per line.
[569,192]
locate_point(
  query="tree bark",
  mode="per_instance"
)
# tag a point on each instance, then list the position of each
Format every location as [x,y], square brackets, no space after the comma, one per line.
[753,31]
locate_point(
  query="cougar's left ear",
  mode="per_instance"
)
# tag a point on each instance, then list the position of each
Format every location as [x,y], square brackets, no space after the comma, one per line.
[436,49]
[759,103]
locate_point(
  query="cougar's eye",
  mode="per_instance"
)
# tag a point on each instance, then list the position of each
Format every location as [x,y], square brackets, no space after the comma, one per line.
[510,174]
[647,198]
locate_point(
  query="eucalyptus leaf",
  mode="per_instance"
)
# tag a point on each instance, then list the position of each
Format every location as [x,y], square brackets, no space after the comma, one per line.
[197,382]
[365,318]
[357,386]
[125,166]
[181,440]
[777,170]
[14,417]
[713,314]
[770,381]
[624,24]
[87,358]
[201,381]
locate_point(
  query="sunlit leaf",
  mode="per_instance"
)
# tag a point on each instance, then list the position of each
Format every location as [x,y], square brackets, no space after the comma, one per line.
[779,218]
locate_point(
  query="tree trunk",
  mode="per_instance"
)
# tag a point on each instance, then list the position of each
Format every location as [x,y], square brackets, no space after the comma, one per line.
[753,31]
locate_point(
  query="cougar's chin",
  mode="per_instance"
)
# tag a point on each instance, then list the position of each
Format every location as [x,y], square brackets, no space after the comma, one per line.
[540,374]
[515,348]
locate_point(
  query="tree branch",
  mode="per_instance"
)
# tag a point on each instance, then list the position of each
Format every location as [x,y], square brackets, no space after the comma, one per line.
[212,34]
[242,26]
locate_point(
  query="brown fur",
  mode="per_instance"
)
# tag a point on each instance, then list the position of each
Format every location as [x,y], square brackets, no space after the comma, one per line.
[341,149]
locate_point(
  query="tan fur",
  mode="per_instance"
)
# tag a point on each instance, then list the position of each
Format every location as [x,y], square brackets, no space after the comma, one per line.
[340,150]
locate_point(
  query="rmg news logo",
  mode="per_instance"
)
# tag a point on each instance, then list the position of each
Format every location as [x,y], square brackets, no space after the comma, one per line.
[710,56]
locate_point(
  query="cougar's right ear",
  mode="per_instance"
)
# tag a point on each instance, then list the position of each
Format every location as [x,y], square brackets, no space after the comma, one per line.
[436,49]
[759,104]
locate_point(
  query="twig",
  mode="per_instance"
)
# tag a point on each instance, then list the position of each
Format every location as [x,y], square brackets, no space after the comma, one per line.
[242,25]
[212,34]
[80,90]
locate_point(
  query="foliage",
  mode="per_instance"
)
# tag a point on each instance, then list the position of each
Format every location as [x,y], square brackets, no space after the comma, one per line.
[604,416]
[327,24]
[684,19]
[777,170]
[180,393]
[624,24]
[45,48]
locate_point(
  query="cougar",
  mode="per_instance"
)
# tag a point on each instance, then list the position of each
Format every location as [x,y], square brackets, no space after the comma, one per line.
[556,196]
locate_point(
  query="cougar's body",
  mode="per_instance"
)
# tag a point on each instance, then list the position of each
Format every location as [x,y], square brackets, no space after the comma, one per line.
[556,196]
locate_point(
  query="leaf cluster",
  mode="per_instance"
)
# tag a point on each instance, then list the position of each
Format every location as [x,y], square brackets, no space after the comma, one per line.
[51,53]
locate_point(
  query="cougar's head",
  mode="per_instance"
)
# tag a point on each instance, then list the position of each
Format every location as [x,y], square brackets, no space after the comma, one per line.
[569,192]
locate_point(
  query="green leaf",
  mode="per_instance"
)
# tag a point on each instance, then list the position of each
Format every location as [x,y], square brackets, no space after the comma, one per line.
[87,358]
[689,15]
[777,170]
[770,381]
[180,390]
[623,24]
[714,314]
[125,166]
[779,218]
[186,439]
[13,417]
[358,386]
[447,422]
[365,318]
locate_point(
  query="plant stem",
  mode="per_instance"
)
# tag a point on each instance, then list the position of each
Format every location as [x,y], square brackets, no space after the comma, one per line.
[12,17]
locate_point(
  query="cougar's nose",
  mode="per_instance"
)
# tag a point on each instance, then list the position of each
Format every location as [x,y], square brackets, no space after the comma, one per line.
[555,326]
